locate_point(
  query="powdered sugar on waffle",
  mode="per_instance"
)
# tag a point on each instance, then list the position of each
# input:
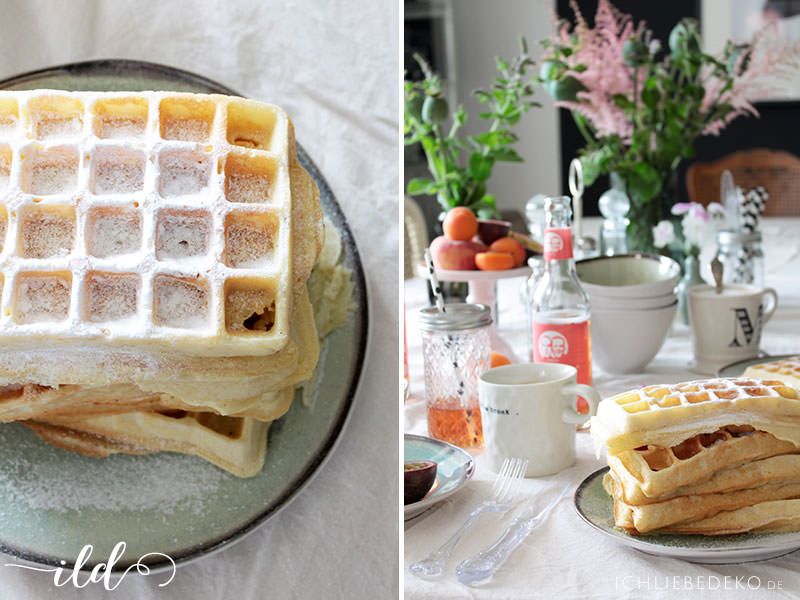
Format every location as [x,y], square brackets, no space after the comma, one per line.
[114,175]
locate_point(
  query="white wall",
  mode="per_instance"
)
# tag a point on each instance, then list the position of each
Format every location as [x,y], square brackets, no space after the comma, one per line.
[485,29]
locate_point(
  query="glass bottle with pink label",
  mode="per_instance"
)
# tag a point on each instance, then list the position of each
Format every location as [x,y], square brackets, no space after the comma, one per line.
[560,311]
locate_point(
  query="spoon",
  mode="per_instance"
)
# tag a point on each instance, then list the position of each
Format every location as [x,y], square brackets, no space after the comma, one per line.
[575,180]
[716,271]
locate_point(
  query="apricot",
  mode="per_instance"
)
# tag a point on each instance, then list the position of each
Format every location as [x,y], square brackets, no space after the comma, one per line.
[498,360]
[512,246]
[494,261]
[454,254]
[460,224]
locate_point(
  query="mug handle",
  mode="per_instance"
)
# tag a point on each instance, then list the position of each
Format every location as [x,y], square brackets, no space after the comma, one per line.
[771,309]
[570,414]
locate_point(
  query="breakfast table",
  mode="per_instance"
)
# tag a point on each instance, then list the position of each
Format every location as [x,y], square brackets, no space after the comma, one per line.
[564,557]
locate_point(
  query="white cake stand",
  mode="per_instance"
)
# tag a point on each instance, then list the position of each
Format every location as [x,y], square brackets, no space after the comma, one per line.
[482,291]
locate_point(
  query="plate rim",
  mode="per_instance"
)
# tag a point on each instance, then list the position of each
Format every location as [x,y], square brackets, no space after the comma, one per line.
[472,274]
[300,480]
[423,505]
[756,360]
[680,552]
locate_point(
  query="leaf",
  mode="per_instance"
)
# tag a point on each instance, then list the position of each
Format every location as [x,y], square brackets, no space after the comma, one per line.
[480,167]
[622,101]
[644,182]
[651,96]
[590,166]
[506,155]
[485,208]
[474,194]
[489,138]
[420,185]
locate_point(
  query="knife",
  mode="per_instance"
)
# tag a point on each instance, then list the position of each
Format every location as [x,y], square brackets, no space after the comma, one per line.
[480,568]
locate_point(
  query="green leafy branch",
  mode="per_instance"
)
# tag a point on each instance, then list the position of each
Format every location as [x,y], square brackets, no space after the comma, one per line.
[460,167]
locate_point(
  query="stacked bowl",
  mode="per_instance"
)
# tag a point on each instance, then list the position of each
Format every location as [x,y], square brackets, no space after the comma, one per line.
[633,303]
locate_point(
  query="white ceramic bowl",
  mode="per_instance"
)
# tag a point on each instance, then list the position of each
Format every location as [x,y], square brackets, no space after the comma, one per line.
[625,341]
[645,303]
[629,275]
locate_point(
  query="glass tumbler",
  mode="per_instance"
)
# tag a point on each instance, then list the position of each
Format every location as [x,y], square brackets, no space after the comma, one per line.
[742,257]
[456,351]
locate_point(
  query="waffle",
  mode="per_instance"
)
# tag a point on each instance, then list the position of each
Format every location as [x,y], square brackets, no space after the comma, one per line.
[155,249]
[149,220]
[650,473]
[772,516]
[253,396]
[786,370]
[665,415]
[233,443]
[702,456]
[645,518]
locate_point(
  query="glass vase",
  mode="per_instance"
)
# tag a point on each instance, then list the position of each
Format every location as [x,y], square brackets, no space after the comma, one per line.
[645,213]
[691,277]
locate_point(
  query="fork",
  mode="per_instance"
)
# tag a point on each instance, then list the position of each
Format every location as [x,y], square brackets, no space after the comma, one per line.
[504,492]
[480,568]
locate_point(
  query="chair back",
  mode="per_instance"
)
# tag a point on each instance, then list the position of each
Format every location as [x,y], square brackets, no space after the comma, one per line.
[777,171]
[415,237]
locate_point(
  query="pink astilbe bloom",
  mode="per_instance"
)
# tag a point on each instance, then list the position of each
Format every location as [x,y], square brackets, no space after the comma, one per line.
[771,68]
[600,51]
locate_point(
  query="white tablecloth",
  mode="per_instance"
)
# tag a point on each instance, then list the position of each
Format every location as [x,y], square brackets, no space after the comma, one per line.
[332,64]
[565,558]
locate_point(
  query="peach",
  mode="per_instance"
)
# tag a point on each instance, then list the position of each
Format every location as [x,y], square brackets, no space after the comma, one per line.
[454,255]
[512,246]
[460,223]
[498,360]
[494,261]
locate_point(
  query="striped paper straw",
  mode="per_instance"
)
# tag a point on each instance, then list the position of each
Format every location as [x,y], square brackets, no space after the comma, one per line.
[437,289]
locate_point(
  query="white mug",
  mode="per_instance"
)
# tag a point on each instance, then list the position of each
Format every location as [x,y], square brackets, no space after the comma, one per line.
[726,327]
[529,411]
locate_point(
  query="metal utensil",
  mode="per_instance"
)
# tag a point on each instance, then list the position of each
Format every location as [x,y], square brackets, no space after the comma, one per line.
[504,492]
[716,270]
[575,181]
[480,568]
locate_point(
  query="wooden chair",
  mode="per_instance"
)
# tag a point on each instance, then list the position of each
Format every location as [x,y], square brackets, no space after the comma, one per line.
[776,170]
[415,237]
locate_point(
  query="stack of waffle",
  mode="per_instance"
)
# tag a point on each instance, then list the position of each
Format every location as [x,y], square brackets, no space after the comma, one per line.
[708,457]
[156,248]
[786,370]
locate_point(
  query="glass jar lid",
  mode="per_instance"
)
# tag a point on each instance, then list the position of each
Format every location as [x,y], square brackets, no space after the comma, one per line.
[457,317]
[729,238]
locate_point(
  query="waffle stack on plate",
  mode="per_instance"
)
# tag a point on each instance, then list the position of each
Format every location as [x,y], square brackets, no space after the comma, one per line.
[708,457]
[786,370]
[156,248]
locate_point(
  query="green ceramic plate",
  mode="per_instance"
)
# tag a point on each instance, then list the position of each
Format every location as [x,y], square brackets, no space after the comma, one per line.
[595,507]
[53,502]
[454,467]
[738,368]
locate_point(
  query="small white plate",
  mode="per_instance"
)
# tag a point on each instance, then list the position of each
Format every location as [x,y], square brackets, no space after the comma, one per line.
[454,467]
[596,507]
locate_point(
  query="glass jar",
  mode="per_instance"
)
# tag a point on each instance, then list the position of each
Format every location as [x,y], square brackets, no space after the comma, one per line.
[741,256]
[456,351]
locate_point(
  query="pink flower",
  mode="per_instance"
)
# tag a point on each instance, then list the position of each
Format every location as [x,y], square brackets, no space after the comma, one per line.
[680,208]
[598,64]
